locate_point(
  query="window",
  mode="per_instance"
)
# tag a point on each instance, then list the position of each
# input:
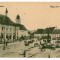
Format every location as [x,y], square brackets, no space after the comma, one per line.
[10,29]
[2,28]
[10,36]
[2,35]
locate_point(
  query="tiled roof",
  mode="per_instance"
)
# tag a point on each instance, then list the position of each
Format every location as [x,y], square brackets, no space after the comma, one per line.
[57,31]
[7,21]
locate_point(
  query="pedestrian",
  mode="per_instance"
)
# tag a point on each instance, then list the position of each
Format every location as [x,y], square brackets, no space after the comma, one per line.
[4,45]
[24,53]
[48,55]
[44,46]
[6,42]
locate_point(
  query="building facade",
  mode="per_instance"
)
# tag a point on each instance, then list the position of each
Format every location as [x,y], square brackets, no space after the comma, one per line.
[9,30]
[23,33]
[52,35]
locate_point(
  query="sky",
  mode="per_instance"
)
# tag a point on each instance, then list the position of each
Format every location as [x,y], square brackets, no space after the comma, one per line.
[34,15]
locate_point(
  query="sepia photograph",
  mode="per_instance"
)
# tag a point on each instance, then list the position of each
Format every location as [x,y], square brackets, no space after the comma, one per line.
[29,29]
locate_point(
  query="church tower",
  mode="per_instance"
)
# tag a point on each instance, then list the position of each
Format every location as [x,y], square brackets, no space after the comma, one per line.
[6,12]
[18,19]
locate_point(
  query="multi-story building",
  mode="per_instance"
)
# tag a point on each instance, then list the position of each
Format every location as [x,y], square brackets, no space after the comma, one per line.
[55,36]
[10,30]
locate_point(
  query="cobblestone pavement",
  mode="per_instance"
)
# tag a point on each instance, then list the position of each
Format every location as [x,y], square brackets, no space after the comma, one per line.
[16,50]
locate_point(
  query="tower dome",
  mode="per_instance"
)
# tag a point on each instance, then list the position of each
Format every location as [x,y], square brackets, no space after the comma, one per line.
[18,19]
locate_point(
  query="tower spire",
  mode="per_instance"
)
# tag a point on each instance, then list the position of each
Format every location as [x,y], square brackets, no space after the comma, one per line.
[6,12]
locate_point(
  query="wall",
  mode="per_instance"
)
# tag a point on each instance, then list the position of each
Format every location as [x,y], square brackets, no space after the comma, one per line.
[23,33]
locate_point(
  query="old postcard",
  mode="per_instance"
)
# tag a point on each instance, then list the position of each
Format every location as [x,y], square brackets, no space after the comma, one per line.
[30,29]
